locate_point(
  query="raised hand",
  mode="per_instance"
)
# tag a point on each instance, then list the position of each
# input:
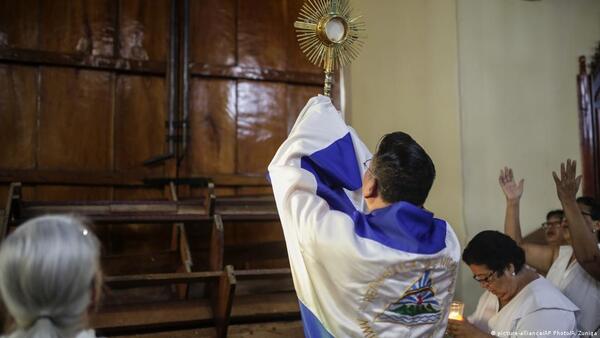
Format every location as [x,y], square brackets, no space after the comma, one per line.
[512,190]
[568,183]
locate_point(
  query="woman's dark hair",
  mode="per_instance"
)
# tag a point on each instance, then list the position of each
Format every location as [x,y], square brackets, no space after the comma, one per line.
[403,169]
[555,213]
[594,207]
[494,250]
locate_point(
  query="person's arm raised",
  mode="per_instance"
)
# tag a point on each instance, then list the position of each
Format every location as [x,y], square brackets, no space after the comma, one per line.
[316,176]
[583,240]
[538,256]
[512,192]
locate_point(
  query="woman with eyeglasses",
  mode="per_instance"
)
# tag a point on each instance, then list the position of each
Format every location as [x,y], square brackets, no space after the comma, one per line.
[517,301]
[554,228]
[573,268]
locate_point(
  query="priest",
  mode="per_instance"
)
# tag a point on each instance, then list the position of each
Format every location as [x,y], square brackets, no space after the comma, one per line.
[367,258]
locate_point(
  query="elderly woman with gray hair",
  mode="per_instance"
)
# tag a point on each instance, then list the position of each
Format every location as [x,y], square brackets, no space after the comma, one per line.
[50,277]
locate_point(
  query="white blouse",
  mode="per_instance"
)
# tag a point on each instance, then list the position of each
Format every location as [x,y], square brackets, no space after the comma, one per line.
[581,288]
[538,310]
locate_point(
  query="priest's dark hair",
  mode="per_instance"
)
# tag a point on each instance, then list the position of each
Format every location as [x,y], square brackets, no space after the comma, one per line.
[404,171]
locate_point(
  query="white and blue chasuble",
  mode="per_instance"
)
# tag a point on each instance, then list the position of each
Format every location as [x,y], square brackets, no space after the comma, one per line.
[389,273]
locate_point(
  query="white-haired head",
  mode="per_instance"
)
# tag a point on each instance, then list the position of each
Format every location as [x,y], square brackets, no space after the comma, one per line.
[48,275]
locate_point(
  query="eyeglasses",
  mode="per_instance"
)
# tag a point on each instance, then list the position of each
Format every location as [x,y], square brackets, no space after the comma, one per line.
[552,224]
[583,213]
[487,279]
[367,165]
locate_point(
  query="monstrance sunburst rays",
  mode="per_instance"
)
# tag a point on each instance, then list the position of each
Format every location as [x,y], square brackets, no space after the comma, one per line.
[329,35]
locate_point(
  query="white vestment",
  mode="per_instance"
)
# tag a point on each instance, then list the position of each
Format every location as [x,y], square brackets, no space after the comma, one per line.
[581,288]
[538,310]
[390,273]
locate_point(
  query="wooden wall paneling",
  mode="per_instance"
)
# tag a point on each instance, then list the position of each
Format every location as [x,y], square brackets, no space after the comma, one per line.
[75,120]
[261,124]
[213,32]
[296,60]
[19,23]
[297,97]
[85,26]
[74,128]
[139,124]
[140,116]
[262,34]
[18,117]
[144,29]
[212,143]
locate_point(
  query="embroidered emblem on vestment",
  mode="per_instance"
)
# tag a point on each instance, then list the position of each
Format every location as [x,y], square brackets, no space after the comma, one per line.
[416,306]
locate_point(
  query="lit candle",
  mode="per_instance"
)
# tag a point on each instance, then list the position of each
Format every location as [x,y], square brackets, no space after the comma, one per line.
[456,310]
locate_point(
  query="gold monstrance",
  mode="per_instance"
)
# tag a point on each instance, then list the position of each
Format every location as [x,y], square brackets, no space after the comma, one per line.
[329,35]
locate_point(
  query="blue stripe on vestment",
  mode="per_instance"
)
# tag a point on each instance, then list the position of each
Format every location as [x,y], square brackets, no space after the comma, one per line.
[402,225]
[335,168]
[312,326]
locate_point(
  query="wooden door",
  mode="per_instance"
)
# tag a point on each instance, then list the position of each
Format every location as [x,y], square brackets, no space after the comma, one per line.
[249,81]
[84,87]
[84,91]
[588,81]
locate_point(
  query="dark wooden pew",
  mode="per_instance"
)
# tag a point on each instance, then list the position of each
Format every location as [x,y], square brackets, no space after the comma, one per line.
[180,280]
[264,295]
[212,311]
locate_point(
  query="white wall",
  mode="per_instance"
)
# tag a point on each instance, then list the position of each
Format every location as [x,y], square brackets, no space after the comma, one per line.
[518,101]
